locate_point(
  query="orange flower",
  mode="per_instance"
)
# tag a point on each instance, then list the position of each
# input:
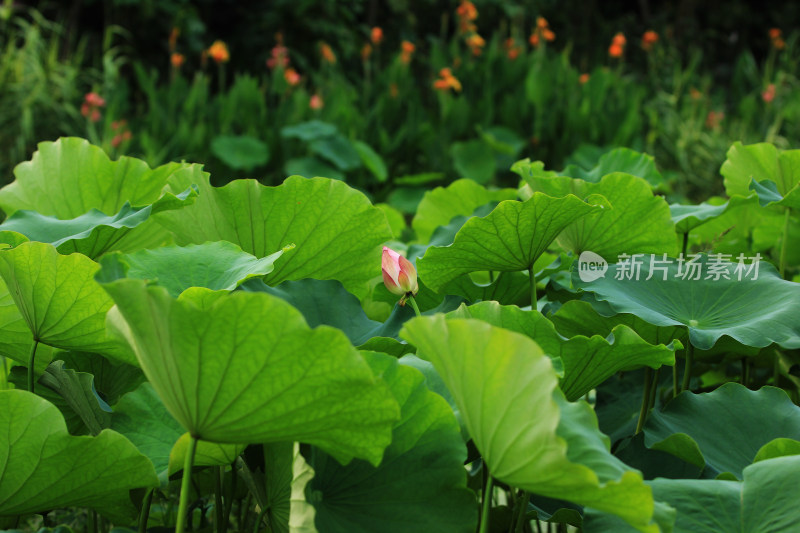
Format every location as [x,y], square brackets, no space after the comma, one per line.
[407,49]
[466,12]
[695,94]
[291,76]
[177,59]
[583,78]
[327,53]
[768,95]
[714,118]
[619,39]
[447,81]
[376,35]
[615,50]
[393,91]
[366,50]
[777,40]
[316,102]
[279,56]
[173,38]
[476,43]
[512,49]
[541,31]
[649,39]
[219,52]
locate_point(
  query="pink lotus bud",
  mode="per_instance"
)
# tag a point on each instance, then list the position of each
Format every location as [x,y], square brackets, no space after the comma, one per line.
[399,275]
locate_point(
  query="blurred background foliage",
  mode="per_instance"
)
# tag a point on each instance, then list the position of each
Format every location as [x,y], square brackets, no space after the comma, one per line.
[305,87]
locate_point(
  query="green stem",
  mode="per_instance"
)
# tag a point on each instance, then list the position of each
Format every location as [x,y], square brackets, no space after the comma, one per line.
[231,496]
[31,360]
[260,518]
[648,384]
[687,370]
[487,504]
[522,508]
[675,389]
[219,508]
[413,303]
[186,485]
[685,243]
[93,521]
[534,299]
[145,514]
[784,238]
[654,389]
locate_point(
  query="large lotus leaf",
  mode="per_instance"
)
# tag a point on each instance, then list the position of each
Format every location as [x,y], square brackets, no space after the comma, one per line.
[529,436]
[142,418]
[462,197]
[43,467]
[588,361]
[779,447]
[423,468]
[240,151]
[619,160]
[708,307]
[70,177]
[765,502]
[577,317]
[78,392]
[636,221]
[214,265]
[762,161]
[729,425]
[336,149]
[688,217]
[111,379]
[768,194]
[15,336]
[509,239]
[337,231]
[244,367]
[94,233]
[62,304]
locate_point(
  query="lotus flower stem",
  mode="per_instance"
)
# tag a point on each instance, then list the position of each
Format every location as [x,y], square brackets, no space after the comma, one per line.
[31,360]
[413,303]
[487,503]
[648,385]
[687,370]
[186,485]
[145,514]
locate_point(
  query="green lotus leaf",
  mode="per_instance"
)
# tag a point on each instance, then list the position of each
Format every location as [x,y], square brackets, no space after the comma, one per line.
[308,131]
[111,379]
[462,197]
[768,194]
[765,502]
[578,317]
[310,167]
[244,367]
[779,447]
[70,177]
[372,160]
[94,233]
[588,361]
[473,160]
[728,425]
[214,265]
[759,162]
[15,336]
[633,219]
[61,303]
[240,152]
[423,468]
[708,307]
[142,418]
[619,160]
[510,238]
[337,149]
[78,391]
[688,217]
[337,231]
[43,467]
[528,434]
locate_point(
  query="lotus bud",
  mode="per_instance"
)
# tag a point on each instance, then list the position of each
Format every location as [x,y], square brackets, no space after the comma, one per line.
[399,275]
